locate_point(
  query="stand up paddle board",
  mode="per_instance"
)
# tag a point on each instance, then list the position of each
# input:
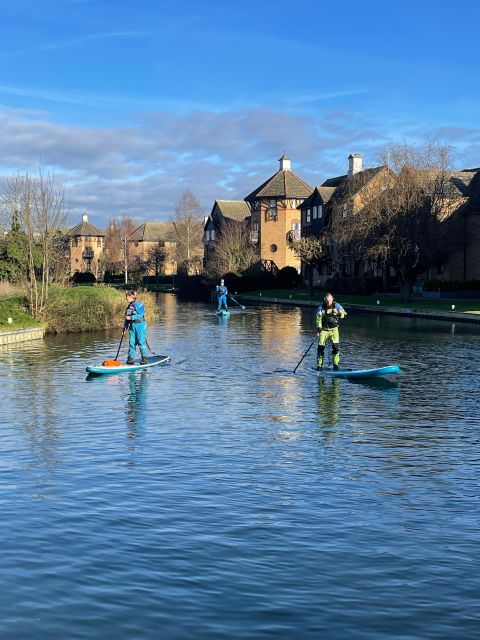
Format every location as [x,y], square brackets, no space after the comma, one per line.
[223,313]
[153,361]
[360,373]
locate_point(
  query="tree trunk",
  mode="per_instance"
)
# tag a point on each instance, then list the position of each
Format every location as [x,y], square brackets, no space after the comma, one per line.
[310,278]
[407,286]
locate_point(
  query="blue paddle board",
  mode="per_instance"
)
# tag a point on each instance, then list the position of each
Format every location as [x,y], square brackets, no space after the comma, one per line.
[361,373]
[153,361]
[223,313]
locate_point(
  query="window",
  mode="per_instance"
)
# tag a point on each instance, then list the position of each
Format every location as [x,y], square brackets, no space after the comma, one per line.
[99,242]
[308,215]
[272,209]
[273,248]
[320,211]
[315,212]
[344,210]
[255,205]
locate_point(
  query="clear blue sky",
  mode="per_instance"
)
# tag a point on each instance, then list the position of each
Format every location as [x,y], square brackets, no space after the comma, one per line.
[133,102]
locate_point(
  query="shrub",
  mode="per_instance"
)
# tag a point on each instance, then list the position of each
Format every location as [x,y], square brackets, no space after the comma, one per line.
[288,278]
[83,277]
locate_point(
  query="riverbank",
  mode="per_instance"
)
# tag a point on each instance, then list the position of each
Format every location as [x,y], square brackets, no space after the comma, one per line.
[454,310]
[72,309]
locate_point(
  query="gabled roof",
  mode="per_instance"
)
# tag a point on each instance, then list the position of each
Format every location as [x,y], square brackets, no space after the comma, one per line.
[319,194]
[86,229]
[151,232]
[334,182]
[462,179]
[234,209]
[284,184]
[356,183]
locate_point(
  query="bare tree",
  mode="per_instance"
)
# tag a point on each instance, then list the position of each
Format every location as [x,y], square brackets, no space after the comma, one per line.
[405,225]
[113,255]
[36,205]
[312,252]
[155,259]
[234,252]
[187,232]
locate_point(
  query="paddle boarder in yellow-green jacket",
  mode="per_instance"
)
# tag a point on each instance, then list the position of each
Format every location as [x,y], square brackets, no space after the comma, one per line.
[329,313]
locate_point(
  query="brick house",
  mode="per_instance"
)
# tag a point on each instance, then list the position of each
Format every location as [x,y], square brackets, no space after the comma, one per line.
[149,243]
[332,202]
[86,246]
[463,262]
[224,212]
[275,218]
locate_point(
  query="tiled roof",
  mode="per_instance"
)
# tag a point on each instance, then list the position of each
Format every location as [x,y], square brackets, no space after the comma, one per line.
[334,182]
[319,194]
[462,179]
[284,184]
[85,229]
[326,193]
[234,209]
[355,183]
[151,232]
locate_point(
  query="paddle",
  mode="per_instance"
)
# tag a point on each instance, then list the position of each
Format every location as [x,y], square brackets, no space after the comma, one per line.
[240,305]
[115,362]
[301,360]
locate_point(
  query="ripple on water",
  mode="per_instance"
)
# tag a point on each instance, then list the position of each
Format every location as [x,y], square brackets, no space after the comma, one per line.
[223,496]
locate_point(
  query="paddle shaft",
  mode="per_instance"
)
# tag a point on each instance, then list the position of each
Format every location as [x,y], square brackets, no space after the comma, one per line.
[240,305]
[302,358]
[121,340]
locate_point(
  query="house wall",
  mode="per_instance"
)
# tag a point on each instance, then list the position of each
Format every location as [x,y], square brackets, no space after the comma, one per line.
[274,232]
[78,245]
[140,249]
[464,261]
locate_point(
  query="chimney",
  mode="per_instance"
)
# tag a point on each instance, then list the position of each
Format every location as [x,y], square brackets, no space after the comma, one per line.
[285,163]
[84,217]
[355,161]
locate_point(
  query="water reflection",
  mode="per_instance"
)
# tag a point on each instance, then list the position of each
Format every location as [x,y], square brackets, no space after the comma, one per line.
[328,402]
[298,476]
[136,404]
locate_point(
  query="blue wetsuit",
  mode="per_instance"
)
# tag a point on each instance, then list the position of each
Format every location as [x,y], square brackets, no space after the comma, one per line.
[221,291]
[137,326]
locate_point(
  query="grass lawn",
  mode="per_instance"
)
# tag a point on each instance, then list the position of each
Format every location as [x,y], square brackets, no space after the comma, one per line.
[13,307]
[440,304]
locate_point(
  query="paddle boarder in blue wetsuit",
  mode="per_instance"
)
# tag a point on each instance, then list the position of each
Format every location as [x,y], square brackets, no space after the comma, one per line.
[221,292]
[329,313]
[136,324]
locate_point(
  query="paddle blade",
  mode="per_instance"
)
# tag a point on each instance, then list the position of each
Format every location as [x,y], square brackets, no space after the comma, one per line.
[112,363]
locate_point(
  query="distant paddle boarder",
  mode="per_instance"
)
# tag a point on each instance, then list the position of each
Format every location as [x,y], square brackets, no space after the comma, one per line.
[221,292]
[329,313]
[136,324]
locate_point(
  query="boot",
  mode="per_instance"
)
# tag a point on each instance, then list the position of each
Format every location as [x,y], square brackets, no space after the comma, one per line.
[319,363]
[130,360]
[144,360]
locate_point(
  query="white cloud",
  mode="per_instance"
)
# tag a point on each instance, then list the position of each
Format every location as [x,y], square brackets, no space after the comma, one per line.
[141,170]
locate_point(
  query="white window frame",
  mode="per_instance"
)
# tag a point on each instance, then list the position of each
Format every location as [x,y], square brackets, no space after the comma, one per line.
[308,215]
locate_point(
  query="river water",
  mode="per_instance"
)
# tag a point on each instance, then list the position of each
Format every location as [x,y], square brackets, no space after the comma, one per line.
[223,497]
